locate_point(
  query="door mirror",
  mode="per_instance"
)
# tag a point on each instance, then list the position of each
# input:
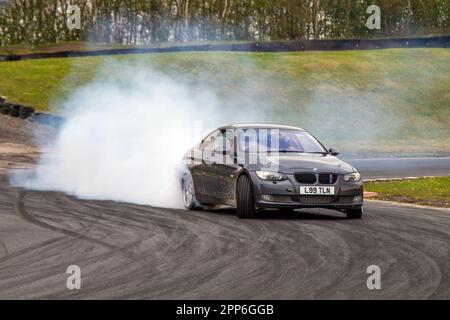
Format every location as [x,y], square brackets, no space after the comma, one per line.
[333,151]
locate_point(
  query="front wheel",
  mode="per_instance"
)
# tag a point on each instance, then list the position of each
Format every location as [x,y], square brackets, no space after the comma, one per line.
[354,213]
[244,198]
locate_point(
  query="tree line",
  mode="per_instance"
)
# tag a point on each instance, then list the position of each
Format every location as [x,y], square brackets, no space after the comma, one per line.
[155,21]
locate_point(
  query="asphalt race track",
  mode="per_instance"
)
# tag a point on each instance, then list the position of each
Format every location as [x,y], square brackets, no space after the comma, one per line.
[131,251]
[402,167]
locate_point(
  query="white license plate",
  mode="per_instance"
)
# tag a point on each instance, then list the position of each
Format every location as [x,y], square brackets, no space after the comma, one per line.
[317,190]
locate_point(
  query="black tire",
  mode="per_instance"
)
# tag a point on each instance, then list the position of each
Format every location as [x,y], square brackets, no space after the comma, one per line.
[354,213]
[15,110]
[188,193]
[14,113]
[245,203]
[6,108]
[25,112]
[24,115]
[26,109]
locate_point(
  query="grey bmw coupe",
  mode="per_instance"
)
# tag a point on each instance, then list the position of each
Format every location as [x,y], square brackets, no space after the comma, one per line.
[258,166]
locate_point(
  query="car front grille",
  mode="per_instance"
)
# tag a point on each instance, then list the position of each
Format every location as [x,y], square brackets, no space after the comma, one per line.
[327,178]
[316,199]
[311,178]
[307,178]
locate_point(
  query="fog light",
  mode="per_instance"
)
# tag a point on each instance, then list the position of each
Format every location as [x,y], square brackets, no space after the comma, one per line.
[267,197]
[357,199]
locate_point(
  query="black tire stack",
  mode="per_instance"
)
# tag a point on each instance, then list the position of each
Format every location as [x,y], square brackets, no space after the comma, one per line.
[5,107]
[25,112]
[15,110]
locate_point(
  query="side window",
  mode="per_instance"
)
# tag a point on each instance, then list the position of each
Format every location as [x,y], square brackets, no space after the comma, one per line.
[224,141]
[218,141]
[208,142]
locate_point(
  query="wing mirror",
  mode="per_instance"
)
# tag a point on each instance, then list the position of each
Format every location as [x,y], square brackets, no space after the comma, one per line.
[333,151]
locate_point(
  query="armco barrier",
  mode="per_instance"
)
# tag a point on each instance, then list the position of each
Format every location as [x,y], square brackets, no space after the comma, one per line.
[274,46]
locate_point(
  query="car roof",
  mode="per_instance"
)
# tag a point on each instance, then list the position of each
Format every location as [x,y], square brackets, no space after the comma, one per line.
[258,126]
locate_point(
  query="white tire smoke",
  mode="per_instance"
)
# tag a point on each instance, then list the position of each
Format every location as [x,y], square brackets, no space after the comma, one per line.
[124,139]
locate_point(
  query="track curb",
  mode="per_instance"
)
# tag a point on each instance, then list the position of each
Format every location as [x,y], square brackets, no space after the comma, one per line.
[399,179]
[411,205]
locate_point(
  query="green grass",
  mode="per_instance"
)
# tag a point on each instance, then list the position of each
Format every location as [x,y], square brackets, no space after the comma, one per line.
[424,191]
[386,100]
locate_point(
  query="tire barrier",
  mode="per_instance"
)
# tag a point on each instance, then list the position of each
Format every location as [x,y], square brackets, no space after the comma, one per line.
[5,108]
[25,112]
[14,109]
[29,113]
[273,46]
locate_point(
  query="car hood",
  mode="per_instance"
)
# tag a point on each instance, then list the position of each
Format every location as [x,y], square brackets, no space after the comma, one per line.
[298,162]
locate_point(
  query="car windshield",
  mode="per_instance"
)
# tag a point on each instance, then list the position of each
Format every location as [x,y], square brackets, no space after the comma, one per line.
[278,140]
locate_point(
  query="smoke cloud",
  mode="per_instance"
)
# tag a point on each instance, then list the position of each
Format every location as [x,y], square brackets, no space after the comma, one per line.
[124,138]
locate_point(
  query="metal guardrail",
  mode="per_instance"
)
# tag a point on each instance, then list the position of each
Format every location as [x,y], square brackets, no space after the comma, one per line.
[275,46]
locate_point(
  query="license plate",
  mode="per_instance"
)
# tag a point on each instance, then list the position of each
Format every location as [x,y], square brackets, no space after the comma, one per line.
[317,190]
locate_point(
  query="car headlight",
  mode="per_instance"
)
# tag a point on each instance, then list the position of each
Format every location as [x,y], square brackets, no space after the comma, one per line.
[271,176]
[352,177]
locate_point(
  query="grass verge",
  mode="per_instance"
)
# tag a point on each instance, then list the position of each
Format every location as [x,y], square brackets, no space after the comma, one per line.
[380,101]
[423,191]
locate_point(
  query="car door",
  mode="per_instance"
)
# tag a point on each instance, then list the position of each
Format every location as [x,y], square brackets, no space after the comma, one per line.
[208,161]
[219,167]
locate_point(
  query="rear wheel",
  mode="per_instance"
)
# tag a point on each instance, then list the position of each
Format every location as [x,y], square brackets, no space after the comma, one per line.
[188,193]
[354,213]
[244,198]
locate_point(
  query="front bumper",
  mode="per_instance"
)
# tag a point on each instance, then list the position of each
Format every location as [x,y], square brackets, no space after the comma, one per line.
[285,194]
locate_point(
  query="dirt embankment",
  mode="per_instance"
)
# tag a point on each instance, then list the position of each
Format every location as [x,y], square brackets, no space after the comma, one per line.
[19,140]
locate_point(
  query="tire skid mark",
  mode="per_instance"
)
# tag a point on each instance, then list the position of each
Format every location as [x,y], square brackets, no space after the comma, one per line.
[168,253]
[20,209]
[4,250]
[29,249]
[126,250]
